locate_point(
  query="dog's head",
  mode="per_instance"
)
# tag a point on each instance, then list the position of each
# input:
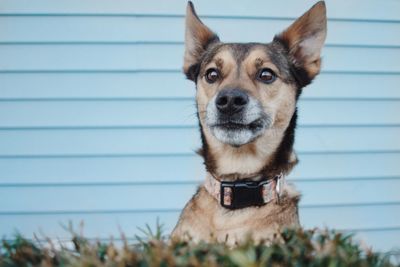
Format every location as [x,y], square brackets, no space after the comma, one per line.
[245,90]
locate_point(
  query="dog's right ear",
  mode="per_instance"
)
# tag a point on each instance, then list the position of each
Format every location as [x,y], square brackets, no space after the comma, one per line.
[197,38]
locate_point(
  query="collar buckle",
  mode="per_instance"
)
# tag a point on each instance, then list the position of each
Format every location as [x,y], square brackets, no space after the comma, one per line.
[242,194]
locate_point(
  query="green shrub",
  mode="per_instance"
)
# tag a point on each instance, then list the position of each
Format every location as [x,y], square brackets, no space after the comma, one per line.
[296,248]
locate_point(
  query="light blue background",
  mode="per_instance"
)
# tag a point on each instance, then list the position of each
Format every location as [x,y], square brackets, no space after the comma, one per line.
[97,123]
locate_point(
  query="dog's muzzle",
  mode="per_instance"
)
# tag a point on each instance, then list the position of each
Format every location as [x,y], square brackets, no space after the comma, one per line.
[236,118]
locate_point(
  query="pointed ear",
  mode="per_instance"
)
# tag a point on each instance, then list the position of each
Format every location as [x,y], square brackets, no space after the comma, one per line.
[305,39]
[197,38]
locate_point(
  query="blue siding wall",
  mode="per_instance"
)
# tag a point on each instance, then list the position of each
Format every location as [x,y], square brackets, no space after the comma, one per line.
[98,124]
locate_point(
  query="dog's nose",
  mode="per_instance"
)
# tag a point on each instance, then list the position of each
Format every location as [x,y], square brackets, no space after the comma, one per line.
[231,100]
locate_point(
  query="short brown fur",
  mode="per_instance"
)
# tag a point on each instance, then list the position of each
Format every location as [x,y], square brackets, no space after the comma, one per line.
[294,56]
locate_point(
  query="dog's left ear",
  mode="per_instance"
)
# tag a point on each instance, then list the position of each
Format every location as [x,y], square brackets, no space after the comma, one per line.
[305,39]
[197,38]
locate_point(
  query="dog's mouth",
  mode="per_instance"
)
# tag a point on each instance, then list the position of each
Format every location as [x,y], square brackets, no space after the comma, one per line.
[236,133]
[254,126]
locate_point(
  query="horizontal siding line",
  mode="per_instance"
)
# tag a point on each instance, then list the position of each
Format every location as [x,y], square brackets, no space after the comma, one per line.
[132,71]
[175,183]
[149,99]
[100,99]
[136,211]
[100,184]
[102,127]
[100,71]
[167,127]
[375,229]
[350,179]
[35,43]
[20,43]
[149,15]
[344,205]
[69,242]
[167,155]
[70,212]
[150,155]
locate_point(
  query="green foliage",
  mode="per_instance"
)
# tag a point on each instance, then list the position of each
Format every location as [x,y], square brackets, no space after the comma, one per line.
[291,248]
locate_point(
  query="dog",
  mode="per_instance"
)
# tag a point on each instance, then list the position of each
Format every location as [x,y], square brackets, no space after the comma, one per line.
[246,105]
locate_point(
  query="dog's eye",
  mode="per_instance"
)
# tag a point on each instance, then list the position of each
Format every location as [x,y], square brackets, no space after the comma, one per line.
[266,76]
[212,75]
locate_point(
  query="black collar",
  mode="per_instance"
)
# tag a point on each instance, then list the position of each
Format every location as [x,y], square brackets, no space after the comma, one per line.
[244,193]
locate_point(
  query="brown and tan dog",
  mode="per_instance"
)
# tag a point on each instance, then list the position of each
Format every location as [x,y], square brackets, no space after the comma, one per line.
[246,102]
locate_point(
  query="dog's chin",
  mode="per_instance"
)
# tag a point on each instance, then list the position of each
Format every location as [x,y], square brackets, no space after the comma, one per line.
[236,134]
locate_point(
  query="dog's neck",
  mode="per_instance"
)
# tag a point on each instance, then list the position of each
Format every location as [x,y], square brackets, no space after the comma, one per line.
[268,156]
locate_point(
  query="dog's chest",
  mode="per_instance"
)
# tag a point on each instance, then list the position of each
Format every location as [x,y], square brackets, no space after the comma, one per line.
[238,225]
